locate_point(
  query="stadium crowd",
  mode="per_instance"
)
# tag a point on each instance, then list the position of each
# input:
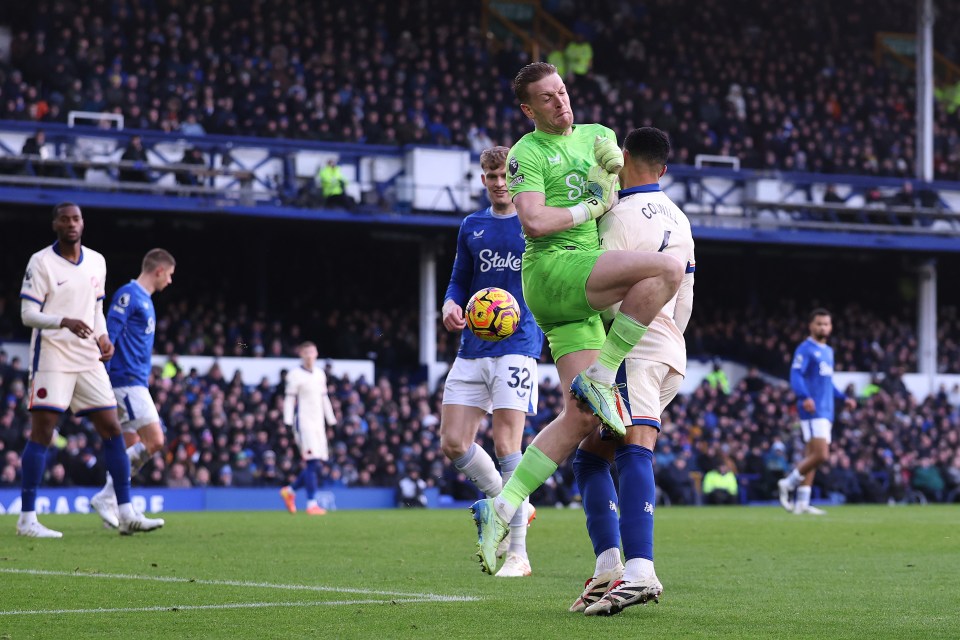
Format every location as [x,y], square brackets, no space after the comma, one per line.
[421,71]
[230,433]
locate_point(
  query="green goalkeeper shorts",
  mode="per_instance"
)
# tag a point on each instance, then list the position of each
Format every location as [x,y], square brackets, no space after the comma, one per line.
[555,290]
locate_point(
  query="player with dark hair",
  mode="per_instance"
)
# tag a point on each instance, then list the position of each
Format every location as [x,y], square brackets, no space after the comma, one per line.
[562,177]
[131,323]
[62,301]
[811,377]
[491,377]
[645,219]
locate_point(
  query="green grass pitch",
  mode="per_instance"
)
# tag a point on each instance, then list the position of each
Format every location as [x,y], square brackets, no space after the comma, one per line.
[728,572]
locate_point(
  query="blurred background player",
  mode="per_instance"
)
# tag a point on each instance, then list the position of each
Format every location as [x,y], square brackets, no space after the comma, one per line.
[308,411]
[498,377]
[645,219]
[62,300]
[811,377]
[131,324]
[562,177]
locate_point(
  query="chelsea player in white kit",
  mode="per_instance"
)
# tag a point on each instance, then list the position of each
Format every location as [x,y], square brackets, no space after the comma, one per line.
[645,219]
[498,377]
[131,323]
[62,300]
[811,377]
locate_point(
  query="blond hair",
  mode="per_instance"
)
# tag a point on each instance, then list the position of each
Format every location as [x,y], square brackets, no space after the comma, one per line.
[493,157]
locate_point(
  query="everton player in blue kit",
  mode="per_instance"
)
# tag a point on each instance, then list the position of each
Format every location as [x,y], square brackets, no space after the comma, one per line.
[498,377]
[131,322]
[811,376]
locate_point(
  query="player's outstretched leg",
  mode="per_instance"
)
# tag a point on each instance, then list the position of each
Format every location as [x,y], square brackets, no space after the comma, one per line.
[625,594]
[491,529]
[603,400]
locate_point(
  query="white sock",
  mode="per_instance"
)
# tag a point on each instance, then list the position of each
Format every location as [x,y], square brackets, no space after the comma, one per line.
[504,509]
[138,457]
[803,498]
[26,517]
[478,466]
[601,373]
[518,524]
[311,503]
[607,561]
[126,511]
[794,479]
[638,569]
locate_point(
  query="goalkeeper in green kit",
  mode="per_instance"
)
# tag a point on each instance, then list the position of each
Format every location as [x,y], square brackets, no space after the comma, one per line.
[562,177]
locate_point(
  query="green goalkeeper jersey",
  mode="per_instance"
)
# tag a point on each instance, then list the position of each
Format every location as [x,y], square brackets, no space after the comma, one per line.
[557,166]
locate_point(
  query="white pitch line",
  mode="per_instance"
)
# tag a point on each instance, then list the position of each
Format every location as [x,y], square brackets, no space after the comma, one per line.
[424,597]
[195,607]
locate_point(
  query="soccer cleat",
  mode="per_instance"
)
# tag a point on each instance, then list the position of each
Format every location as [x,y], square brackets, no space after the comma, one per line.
[104,502]
[289,499]
[594,588]
[515,566]
[504,545]
[625,594]
[783,488]
[314,510]
[139,522]
[602,400]
[809,510]
[36,530]
[491,529]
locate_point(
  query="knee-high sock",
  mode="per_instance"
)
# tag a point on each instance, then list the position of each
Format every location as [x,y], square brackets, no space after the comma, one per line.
[534,469]
[32,463]
[308,479]
[518,525]
[638,495]
[478,466]
[118,465]
[599,500]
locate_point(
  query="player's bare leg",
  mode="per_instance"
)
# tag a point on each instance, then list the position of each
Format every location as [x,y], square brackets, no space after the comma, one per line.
[551,447]
[33,461]
[642,282]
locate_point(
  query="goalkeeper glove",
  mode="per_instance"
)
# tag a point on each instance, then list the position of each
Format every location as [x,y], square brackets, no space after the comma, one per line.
[608,154]
[601,191]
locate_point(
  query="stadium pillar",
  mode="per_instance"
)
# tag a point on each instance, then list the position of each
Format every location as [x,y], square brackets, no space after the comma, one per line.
[428,304]
[925,19]
[927,321]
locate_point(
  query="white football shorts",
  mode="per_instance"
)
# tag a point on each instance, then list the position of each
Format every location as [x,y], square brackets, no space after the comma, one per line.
[504,382]
[136,408]
[816,428]
[83,392]
[312,441]
[650,388]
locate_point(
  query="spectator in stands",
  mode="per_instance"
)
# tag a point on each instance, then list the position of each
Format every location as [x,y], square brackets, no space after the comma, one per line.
[720,485]
[717,378]
[194,157]
[579,55]
[928,480]
[333,185]
[676,482]
[411,488]
[177,477]
[137,156]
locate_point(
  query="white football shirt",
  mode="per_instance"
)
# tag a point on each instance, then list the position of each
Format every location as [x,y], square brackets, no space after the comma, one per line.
[646,219]
[306,391]
[68,290]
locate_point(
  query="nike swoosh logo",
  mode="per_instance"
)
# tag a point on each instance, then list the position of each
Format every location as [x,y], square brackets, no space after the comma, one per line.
[60,282]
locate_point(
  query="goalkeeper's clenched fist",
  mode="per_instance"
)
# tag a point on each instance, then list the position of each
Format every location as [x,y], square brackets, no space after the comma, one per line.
[600,190]
[608,154]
